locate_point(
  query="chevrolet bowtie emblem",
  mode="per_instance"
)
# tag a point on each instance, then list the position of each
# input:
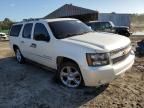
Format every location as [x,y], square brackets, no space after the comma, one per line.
[125,52]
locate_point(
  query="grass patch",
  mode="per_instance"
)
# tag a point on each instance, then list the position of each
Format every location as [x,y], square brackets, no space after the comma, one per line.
[4,31]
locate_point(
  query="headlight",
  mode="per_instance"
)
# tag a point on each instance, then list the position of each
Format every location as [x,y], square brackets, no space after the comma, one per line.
[97,59]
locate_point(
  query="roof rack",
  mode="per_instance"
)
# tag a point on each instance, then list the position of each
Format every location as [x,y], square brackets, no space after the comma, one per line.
[32,19]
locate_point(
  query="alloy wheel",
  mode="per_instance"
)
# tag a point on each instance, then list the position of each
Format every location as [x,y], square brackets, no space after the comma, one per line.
[70,76]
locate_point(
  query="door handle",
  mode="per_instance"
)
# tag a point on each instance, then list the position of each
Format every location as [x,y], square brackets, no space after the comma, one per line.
[33,45]
[22,42]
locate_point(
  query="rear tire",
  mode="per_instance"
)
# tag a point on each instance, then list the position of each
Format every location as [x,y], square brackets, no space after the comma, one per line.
[69,74]
[19,56]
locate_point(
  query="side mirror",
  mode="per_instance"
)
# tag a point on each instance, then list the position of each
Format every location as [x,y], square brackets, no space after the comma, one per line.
[41,37]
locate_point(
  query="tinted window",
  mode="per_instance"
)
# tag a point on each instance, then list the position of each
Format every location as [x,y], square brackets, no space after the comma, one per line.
[40,29]
[105,25]
[27,30]
[100,25]
[97,25]
[65,29]
[15,30]
[93,25]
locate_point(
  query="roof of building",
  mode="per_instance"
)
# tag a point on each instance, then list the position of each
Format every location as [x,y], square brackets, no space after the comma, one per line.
[69,10]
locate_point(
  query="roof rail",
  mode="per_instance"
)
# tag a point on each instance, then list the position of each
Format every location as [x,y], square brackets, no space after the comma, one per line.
[31,19]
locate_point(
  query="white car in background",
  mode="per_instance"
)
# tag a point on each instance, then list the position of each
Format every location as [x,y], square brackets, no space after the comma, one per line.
[3,36]
[80,55]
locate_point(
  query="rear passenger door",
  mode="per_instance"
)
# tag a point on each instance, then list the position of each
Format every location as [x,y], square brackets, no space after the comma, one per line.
[25,41]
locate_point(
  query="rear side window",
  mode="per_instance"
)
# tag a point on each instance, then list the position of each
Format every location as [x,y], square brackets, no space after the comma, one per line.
[15,30]
[27,31]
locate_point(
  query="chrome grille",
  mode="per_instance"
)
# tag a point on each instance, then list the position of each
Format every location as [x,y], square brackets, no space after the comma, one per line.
[120,54]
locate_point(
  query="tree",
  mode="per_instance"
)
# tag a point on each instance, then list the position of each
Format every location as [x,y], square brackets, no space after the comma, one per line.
[6,24]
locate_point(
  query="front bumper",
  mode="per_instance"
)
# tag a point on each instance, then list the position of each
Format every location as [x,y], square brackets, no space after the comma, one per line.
[95,76]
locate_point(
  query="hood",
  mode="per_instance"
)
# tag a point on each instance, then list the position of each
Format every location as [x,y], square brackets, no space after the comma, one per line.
[106,41]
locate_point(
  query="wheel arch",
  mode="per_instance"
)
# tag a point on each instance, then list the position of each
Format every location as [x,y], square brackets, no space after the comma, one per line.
[15,47]
[61,59]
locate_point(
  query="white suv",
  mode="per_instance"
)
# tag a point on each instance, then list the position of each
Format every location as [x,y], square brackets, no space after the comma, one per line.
[79,55]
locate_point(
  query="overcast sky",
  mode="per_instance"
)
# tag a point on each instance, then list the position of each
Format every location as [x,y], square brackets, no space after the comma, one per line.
[21,9]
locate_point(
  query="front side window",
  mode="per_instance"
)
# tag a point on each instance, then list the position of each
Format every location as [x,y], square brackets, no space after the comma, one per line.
[68,28]
[27,31]
[105,25]
[40,31]
[15,30]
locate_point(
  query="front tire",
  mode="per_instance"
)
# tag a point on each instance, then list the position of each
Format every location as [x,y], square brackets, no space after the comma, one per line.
[128,34]
[19,56]
[70,75]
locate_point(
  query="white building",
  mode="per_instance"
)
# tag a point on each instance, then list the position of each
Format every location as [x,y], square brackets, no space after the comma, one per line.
[117,19]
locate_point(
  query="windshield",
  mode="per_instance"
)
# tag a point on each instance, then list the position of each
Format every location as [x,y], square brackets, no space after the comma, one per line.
[68,28]
[2,34]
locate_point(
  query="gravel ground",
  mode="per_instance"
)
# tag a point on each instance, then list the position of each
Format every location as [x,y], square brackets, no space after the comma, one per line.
[30,86]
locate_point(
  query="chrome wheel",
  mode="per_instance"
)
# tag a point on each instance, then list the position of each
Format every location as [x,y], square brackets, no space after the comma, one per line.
[70,76]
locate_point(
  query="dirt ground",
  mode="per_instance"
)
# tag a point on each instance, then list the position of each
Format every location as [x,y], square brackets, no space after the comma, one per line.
[29,86]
